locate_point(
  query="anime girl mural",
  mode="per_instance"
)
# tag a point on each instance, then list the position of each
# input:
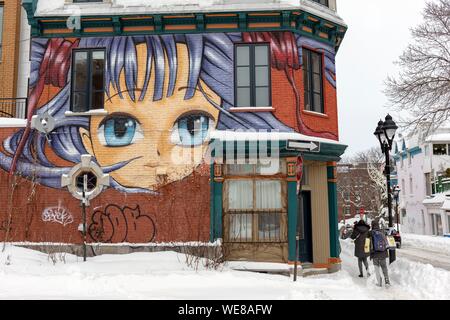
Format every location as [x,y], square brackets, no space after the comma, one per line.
[163,95]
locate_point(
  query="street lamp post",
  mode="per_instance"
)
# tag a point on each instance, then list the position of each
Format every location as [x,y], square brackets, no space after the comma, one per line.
[385,132]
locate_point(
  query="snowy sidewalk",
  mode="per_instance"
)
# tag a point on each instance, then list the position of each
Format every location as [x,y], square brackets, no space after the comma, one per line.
[27,274]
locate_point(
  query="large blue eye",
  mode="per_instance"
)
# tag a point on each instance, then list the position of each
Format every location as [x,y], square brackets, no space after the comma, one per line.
[119,131]
[191,130]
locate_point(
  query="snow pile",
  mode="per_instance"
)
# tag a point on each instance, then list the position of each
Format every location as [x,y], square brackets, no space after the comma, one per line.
[438,244]
[49,5]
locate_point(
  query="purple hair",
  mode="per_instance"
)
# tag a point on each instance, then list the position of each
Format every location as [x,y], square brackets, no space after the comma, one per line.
[211,59]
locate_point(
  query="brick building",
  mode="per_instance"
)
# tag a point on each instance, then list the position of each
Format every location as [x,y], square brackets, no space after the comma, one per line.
[14,58]
[356,191]
[198,114]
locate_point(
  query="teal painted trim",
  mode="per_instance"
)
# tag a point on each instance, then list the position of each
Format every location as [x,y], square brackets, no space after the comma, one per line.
[292,218]
[333,214]
[328,152]
[286,19]
[415,151]
[218,213]
[212,215]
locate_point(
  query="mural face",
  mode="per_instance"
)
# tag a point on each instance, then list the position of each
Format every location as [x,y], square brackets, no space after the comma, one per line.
[171,141]
[163,96]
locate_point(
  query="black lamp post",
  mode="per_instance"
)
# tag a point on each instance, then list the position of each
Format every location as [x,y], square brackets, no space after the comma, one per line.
[385,133]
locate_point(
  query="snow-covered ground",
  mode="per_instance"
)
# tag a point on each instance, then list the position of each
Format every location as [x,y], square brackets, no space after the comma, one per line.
[28,274]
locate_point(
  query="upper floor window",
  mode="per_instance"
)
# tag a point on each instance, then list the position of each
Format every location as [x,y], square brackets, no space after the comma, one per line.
[88,80]
[439,149]
[252,75]
[1,29]
[322,2]
[313,75]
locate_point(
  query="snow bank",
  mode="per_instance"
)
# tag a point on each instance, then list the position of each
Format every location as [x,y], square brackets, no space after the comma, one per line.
[28,274]
[410,280]
[438,244]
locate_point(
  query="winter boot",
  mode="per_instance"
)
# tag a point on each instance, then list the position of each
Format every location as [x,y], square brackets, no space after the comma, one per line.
[388,283]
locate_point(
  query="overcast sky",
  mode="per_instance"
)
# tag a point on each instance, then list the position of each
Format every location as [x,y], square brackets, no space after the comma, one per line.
[377,35]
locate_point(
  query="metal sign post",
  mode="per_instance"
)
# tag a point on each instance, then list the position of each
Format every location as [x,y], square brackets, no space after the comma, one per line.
[300,224]
[86,170]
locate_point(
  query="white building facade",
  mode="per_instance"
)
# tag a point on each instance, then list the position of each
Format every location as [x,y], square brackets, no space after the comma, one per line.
[423,175]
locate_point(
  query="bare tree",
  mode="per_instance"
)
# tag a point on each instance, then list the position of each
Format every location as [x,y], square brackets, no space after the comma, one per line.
[422,87]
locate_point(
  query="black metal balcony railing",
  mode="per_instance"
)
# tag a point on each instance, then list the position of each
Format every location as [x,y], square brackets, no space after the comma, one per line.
[13,107]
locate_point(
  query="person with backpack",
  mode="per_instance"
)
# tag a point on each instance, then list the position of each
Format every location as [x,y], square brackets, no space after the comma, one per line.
[360,234]
[379,252]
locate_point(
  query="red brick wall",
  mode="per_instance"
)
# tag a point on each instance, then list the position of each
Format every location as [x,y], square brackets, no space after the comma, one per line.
[180,212]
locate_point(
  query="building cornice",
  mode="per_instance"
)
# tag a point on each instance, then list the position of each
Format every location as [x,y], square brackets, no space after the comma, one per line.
[328,30]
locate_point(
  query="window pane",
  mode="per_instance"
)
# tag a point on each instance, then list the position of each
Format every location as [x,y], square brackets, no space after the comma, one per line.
[439,149]
[262,97]
[79,102]
[268,194]
[240,169]
[262,76]
[241,227]
[317,102]
[98,70]
[243,76]
[317,83]
[97,100]
[316,62]
[243,56]
[81,70]
[243,97]
[269,227]
[262,55]
[240,195]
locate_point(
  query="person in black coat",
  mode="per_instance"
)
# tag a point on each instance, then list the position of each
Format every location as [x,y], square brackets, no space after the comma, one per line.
[360,234]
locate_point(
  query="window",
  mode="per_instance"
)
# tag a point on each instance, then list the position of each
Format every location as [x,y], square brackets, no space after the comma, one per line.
[1,29]
[403,186]
[312,76]
[428,184]
[439,149]
[322,2]
[252,75]
[255,208]
[88,74]
[448,222]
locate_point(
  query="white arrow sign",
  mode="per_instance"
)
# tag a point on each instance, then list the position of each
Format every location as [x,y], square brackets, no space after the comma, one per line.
[309,146]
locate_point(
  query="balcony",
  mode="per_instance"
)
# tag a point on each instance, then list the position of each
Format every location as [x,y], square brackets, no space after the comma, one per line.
[13,107]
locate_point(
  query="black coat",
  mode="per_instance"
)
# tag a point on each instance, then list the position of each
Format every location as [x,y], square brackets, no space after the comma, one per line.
[359,234]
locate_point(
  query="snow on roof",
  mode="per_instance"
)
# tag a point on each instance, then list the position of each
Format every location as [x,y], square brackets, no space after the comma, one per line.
[12,123]
[60,8]
[439,137]
[437,199]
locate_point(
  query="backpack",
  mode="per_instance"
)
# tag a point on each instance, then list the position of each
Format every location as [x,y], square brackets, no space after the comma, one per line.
[378,241]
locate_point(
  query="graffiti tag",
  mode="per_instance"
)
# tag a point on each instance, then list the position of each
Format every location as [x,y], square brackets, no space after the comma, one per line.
[57,215]
[121,224]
